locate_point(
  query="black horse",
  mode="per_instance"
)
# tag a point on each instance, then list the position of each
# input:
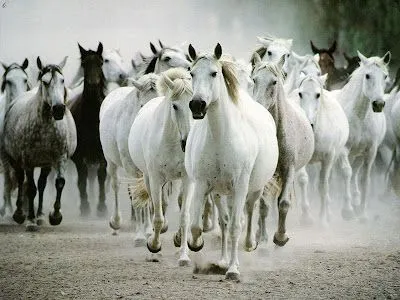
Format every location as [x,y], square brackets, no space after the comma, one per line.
[85,109]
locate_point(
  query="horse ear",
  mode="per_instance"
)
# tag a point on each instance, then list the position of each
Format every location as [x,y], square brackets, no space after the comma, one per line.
[386,58]
[161,44]
[323,78]
[363,59]
[39,63]
[192,52]
[168,81]
[314,49]
[100,49]
[333,47]
[133,64]
[348,58]
[218,51]
[63,62]
[264,41]
[4,66]
[82,50]
[256,58]
[153,48]
[25,64]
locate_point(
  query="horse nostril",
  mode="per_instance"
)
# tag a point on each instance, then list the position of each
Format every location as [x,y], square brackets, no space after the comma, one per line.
[58,111]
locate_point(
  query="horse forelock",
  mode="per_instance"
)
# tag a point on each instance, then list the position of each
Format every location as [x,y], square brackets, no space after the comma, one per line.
[182,84]
[148,82]
[272,68]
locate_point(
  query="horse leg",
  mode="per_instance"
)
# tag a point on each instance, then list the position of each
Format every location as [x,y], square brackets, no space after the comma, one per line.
[250,243]
[262,235]
[42,181]
[31,193]
[156,194]
[19,215]
[347,210]
[102,176]
[55,217]
[238,202]
[184,259]
[325,173]
[306,218]
[166,193]
[200,193]
[147,211]
[356,166]
[8,187]
[223,218]
[207,222]
[115,221]
[280,237]
[82,171]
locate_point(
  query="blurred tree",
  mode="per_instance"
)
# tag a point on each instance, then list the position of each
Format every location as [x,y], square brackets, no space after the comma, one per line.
[371,26]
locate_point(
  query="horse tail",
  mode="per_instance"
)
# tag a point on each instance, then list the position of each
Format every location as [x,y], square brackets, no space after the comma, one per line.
[272,189]
[138,194]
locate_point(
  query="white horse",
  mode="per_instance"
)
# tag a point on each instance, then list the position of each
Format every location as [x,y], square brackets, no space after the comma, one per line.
[295,140]
[272,49]
[117,113]
[331,131]
[297,67]
[157,143]
[50,142]
[113,70]
[231,150]
[363,100]
[14,83]
[395,124]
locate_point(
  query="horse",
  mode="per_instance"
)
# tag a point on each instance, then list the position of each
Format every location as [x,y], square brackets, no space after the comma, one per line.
[157,142]
[231,150]
[337,77]
[14,83]
[271,49]
[85,110]
[352,62]
[331,131]
[117,113]
[39,131]
[113,70]
[295,140]
[362,99]
[163,59]
[295,67]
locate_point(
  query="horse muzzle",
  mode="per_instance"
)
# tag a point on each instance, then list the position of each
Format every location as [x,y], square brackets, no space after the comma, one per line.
[198,108]
[378,105]
[58,111]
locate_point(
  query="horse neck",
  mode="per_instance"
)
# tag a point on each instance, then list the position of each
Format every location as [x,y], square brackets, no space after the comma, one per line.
[93,95]
[43,110]
[168,127]
[291,79]
[278,108]
[221,115]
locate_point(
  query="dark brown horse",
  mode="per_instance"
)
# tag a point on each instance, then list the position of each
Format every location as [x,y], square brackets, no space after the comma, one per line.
[337,77]
[85,109]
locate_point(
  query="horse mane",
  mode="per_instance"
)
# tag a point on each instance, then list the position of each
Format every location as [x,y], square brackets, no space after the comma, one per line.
[148,82]
[273,68]
[182,83]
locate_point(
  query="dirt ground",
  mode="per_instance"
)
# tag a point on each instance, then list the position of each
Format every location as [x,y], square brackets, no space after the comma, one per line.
[80,259]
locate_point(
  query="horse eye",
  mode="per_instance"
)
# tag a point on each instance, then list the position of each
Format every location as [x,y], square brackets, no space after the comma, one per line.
[25,80]
[191,74]
[188,68]
[318,95]
[106,60]
[367,76]
[300,95]
[386,77]
[214,74]
[288,55]
[274,82]
[167,58]
[62,80]
[318,73]
[174,107]
[269,53]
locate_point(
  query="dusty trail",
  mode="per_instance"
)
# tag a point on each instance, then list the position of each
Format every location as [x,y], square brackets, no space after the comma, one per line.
[80,259]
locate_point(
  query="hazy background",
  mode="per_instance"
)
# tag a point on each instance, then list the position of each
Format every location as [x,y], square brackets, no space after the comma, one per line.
[52,28]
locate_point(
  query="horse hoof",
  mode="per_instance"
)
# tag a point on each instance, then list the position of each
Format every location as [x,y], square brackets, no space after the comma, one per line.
[347,214]
[3,211]
[55,218]
[196,249]
[177,240]
[153,250]
[232,276]
[164,229]
[358,210]
[116,225]
[85,210]
[19,217]
[32,227]
[102,211]
[184,262]
[40,221]
[280,243]
[251,247]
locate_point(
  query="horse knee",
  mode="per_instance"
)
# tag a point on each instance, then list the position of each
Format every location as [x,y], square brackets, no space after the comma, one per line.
[283,205]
